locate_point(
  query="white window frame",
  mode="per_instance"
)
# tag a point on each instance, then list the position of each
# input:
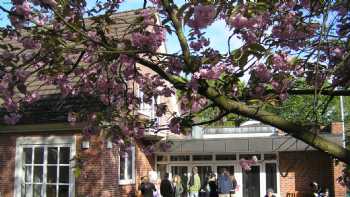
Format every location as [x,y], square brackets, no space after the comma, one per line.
[51,141]
[133,171]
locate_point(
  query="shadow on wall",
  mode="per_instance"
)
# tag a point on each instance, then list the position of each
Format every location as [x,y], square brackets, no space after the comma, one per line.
[299,169]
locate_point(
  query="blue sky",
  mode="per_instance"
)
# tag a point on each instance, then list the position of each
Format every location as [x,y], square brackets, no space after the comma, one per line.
[217,32]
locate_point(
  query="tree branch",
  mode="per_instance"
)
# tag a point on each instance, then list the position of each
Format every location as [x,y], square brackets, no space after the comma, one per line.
[298,131]
[219,117]
[179,32]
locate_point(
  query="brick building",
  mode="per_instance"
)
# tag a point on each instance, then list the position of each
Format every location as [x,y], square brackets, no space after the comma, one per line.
[39,156]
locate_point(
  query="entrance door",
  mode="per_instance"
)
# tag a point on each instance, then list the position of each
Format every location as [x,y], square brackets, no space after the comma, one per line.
[203,172]
[251,182]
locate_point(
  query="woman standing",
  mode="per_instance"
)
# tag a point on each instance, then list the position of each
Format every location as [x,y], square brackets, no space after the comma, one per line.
[178,186]
[213,186]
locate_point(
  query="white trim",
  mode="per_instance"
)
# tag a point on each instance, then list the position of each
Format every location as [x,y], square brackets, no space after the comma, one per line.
[133,176]
[67,141]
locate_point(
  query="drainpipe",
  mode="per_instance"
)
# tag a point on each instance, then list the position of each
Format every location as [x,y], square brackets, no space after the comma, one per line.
[342,120]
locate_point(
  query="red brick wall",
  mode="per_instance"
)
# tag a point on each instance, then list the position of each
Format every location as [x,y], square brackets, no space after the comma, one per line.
[7,164]
[99,172]
[337,171]
[143,164]
[299,169]
[336,127]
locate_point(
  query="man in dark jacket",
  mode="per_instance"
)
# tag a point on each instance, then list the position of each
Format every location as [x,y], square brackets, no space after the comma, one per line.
[166,188]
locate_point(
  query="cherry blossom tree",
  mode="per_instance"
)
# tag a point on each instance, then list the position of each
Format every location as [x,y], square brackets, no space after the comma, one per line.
[68,45]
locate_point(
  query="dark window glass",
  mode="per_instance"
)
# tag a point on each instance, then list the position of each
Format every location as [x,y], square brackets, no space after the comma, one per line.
[179,158]
[52,174]
[63,191]
[27,155]
[270,157]
[38,174]
[37,190]
[202,157]
[162,158]
[271,176]
[249,156]
[28,174]
[39,155]
[51,191]
[64,174]
[225,157]
[122,168]
[64,155]
[129,160]
[52,155]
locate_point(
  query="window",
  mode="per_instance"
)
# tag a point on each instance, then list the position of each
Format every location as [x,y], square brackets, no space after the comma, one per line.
[127,167]
[44,169]
[202,157]
[179,158]
[270,157]
[225,157]
[271,176]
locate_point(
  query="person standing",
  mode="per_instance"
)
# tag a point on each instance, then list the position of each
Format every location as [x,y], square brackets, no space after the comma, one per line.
[178,189]
[269,193]
[147,188]
[166,188]
[225,184]
[213,192]
[194,183]
[184,180]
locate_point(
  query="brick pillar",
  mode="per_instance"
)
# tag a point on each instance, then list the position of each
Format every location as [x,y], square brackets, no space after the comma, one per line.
[339,190]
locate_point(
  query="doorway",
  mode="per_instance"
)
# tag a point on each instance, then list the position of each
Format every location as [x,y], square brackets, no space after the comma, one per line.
[251,182]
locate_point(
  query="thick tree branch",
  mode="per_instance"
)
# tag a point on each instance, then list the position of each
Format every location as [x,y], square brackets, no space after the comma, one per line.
[219,117]
[298,131]
[179,32]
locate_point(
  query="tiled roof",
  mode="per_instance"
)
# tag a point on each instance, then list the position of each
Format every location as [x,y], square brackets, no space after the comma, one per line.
[53,108]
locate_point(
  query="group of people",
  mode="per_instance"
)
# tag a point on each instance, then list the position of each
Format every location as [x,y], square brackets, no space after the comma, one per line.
[192,187]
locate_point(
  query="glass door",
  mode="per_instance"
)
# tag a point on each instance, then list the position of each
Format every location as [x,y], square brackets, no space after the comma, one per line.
[203,172]
[251,182]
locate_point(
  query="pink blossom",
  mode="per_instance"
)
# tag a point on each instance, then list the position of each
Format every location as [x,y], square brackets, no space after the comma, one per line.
[32,97]
[72,118]
[12,118]
[165,146]
[23,9]
[203,16]
[10,105]
[238,21]
[263,74]
[174,125]
[29,43]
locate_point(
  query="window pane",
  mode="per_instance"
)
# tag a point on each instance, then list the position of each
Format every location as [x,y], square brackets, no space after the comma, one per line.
[129,167]
[52,155]
[64,155]
[179,158]
[38,174]
[52,174]
[27,189]
[202,157]
[28,174]
[271,176]
[51,191]
[122,168]
[225,157]
[27,152]
[37,190]
[64,174]
[63,191]
[39,155]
